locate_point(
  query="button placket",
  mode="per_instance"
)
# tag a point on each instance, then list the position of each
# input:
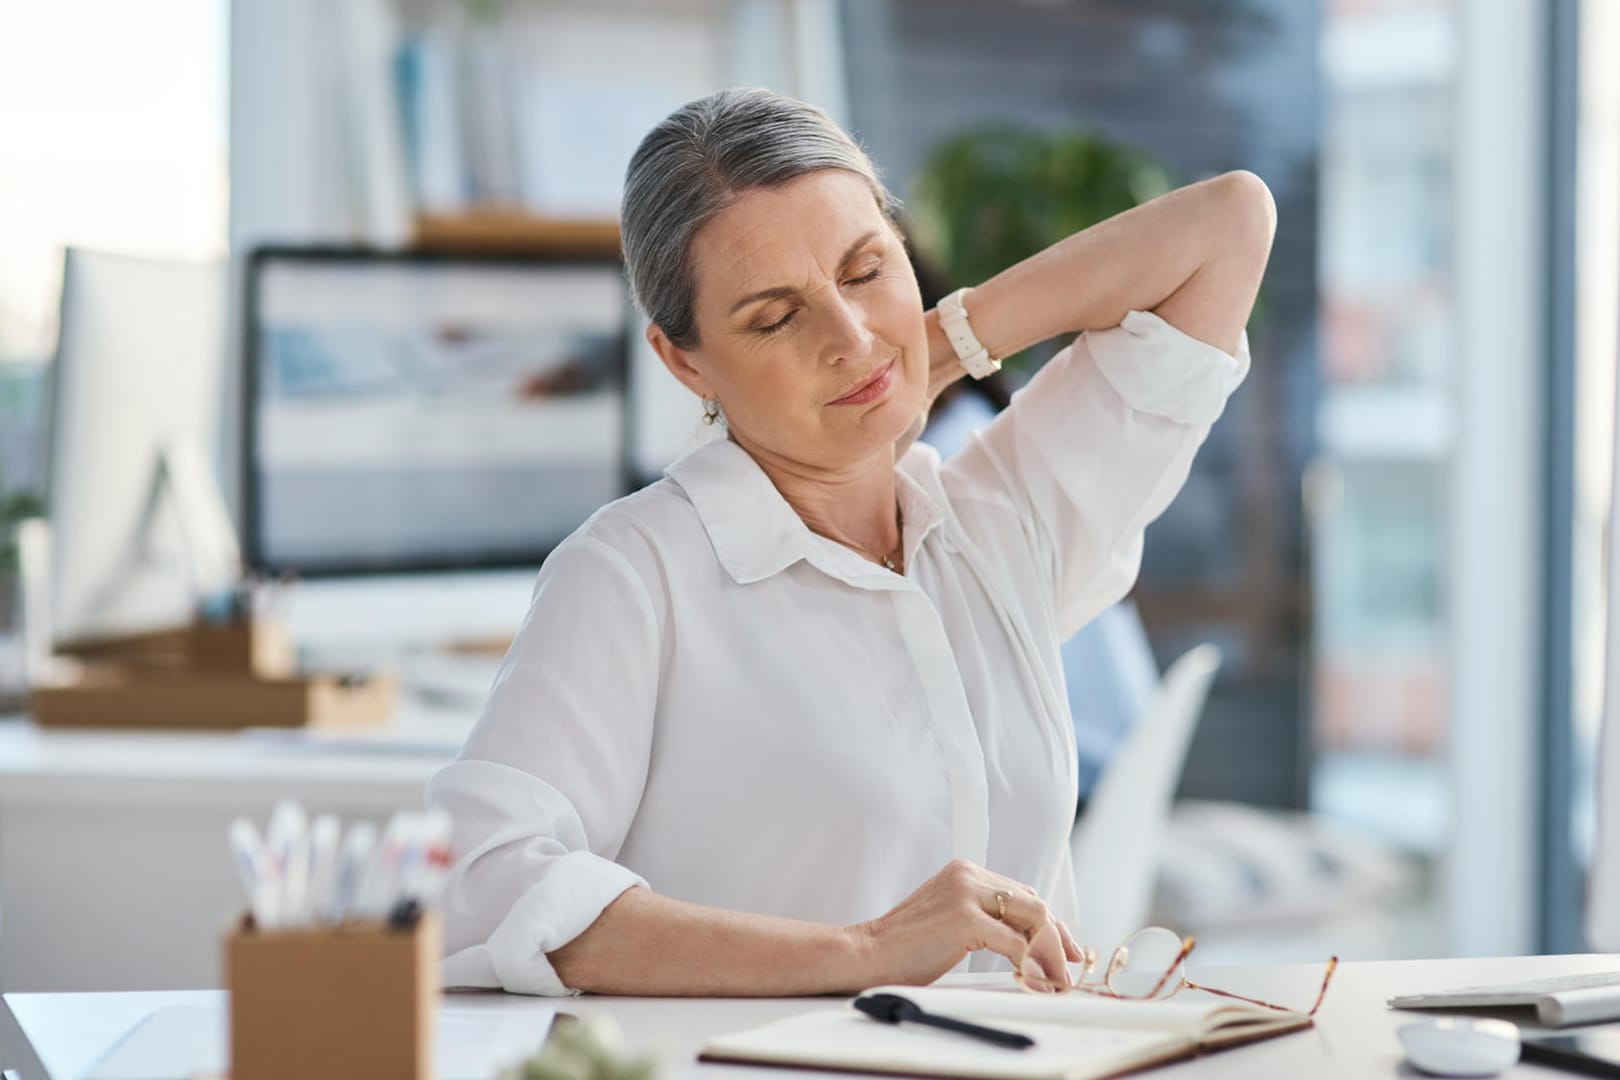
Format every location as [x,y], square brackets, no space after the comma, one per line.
[946,698]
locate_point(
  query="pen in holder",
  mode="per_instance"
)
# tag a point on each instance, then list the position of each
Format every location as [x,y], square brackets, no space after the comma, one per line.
[335,972]
[331,1002]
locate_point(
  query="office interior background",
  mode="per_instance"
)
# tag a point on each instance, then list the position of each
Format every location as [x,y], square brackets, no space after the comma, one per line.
[1393,536]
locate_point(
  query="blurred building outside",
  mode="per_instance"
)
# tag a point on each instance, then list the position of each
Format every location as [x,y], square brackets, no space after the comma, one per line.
[1376,493]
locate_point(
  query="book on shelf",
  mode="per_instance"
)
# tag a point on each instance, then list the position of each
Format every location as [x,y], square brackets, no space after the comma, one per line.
[426,70]
[379,187]
[1077,1036]
[489,82]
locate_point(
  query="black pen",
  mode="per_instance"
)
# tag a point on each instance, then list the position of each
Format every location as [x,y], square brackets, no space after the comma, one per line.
[892,1009]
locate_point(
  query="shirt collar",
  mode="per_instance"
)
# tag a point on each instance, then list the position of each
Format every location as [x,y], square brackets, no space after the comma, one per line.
[756,534]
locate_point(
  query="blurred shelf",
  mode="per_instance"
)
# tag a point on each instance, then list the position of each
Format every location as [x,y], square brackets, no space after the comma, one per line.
[515,232]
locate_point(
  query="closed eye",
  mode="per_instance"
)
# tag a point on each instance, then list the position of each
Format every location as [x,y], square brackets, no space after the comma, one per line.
[778,325]
[781,324]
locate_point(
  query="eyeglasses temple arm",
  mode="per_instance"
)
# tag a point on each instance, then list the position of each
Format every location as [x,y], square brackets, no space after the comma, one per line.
[1332,966]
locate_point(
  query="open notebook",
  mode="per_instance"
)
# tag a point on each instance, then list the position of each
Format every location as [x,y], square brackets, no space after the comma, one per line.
[1077,1036]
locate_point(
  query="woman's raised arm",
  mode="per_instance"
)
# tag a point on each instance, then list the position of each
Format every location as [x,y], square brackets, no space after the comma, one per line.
[1193,256]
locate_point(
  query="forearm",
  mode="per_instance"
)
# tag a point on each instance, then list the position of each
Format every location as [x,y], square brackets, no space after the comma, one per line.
[652,945]
[1200,249]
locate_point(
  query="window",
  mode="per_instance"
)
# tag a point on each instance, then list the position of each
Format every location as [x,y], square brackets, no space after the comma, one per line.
[112,135]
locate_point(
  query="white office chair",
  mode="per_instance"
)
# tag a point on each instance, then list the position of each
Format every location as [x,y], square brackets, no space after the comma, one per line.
[1118,841]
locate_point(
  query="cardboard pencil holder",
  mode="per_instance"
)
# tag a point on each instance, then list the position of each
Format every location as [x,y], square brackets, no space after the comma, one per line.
[323,1003]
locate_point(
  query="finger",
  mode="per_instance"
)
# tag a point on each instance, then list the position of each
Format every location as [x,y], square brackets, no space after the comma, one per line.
[1002,939]
[1071,948]
[1023,912]
[1020,906]
[1046,952]
[995,889]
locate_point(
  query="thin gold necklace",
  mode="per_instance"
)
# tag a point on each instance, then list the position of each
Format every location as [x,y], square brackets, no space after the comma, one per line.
[891,561]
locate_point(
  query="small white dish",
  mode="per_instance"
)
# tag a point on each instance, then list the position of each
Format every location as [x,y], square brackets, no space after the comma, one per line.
[1458,1046]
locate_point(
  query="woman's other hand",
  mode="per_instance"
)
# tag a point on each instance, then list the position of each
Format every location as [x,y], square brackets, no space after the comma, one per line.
[956,912]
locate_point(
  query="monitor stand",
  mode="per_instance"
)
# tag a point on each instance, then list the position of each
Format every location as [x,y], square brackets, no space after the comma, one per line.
[181,487]
[229,667]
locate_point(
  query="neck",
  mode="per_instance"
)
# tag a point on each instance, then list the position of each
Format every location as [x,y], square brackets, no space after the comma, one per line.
[852,504]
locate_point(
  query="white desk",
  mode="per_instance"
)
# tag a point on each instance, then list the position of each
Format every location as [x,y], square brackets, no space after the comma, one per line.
[114,872]
[58,1036]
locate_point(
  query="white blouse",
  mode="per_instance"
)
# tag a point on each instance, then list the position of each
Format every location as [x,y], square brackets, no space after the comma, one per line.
[711,700]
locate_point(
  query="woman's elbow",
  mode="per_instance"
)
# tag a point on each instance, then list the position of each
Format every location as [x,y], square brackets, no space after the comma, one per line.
[1248,211]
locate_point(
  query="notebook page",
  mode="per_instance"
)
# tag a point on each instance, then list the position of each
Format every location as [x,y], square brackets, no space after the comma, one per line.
[1188,1016]
[845,1039]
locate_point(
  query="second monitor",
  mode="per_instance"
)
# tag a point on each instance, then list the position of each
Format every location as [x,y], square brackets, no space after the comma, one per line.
[411,412]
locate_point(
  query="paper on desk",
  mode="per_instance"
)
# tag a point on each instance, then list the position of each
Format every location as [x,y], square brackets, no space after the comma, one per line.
[173,1043]
[475,1041]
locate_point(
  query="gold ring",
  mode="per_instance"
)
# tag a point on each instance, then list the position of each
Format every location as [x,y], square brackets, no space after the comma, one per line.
[1001,905]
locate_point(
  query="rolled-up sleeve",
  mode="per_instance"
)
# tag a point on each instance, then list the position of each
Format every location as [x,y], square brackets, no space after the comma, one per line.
[545,789]
[1090,452]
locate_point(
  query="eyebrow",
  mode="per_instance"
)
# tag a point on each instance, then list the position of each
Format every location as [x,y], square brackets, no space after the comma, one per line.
[788,290]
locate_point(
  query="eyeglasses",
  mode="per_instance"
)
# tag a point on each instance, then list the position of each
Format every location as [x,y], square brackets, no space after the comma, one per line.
[1150,965]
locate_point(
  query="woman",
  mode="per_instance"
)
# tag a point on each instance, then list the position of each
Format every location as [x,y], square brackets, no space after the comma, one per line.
[791,720]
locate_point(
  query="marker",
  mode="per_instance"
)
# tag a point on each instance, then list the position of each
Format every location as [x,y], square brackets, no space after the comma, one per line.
[323,854]
[380,881]
[253,864]
[412,857]
[353,865]
[435,872]
[436,859]
[288,838]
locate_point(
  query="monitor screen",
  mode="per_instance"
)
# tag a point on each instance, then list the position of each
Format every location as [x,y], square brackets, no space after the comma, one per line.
[408,412]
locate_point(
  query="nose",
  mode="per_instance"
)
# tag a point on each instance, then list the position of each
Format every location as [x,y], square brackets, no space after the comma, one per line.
[845,334]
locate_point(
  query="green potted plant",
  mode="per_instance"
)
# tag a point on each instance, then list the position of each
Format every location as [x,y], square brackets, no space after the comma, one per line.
[15,508]
[990,196]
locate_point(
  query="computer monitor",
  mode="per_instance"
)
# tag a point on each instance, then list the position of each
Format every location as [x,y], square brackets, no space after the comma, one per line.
[138,532]
[413,412]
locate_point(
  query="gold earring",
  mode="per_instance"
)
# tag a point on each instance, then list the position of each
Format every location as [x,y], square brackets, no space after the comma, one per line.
[711,410]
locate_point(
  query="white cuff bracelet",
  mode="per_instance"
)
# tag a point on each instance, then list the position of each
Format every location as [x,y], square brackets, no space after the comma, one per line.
[953,319]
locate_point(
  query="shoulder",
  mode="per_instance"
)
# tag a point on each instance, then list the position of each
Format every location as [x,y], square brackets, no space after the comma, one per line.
[660,513]
[646,535]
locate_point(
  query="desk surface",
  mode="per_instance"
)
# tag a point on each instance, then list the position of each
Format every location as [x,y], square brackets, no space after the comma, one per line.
[60,766]
[434,711]
[59,1036]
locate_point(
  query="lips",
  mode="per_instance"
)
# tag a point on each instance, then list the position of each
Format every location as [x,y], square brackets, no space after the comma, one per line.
[870,388]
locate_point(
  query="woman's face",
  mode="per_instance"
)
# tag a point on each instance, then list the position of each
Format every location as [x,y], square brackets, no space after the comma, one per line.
[810,326]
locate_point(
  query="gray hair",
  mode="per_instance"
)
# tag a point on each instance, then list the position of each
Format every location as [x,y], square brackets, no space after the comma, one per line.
[695,163]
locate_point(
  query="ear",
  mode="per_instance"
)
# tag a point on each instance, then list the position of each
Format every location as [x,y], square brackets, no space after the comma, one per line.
[679,362]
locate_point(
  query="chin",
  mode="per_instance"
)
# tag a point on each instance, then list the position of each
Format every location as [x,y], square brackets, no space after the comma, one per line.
[879,427]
